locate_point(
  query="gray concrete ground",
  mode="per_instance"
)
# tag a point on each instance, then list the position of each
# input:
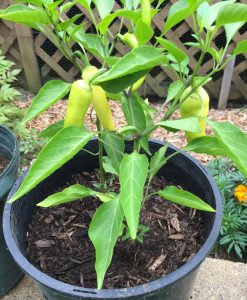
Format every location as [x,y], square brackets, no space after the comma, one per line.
[217,280]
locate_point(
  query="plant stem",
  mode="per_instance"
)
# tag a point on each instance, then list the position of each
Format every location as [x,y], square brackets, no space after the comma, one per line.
[101,170]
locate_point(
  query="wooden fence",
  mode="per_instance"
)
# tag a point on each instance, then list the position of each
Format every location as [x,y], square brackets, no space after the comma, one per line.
[40,61]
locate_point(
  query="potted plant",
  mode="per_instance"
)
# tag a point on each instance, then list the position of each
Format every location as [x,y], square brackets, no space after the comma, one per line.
[132,161]
[10,273]
[9,162]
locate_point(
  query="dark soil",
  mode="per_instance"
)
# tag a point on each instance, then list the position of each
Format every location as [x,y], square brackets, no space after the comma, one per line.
[58,243]
[3,162]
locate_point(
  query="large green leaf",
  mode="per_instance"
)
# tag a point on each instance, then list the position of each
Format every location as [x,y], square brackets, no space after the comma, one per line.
[133,174]
[233,141]
[173,49]
[48,95]
[188,124]
[104,231]
[232,13]
[60,149]
[72,193]
[114,147]
[185,198]
[241,47]
[179,11]
[21,13]
[129,14]
[206,145]
[104,7]
[130,68]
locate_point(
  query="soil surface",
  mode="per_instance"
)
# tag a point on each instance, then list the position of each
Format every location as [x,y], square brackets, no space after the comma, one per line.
[58,243]
[3,162]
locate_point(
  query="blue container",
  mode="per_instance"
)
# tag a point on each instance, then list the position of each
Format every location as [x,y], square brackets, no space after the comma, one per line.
[181,169]
[10,273]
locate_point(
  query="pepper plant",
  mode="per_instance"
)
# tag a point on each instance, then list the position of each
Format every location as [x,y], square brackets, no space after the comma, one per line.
[119,78]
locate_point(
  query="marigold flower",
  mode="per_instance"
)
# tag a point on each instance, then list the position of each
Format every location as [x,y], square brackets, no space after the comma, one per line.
[240,193]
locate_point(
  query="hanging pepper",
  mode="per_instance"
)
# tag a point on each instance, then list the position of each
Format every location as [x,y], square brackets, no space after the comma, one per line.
[99,101]
[131,40]
[196,105]
[79,101]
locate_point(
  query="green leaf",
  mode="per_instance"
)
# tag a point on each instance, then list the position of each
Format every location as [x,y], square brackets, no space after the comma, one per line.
[72,193]
[60,149]
[133,174]
[130,68]
[173,49]
[89,41]
[129,14]
[67,5]
[157,161]
[232,29]
[203,14]
[49,94]
[233,141]
[86,4]
[136,114]
[21,13]
[103,232]
[232,13]
[240,48]
[187,124]
[114,147]
[34,2]
[185,198]
[143,32]
[107,165]
[104,7]
[179,11]
[53,129]
[173,90]
[206,144]
[66,24]
[213,12]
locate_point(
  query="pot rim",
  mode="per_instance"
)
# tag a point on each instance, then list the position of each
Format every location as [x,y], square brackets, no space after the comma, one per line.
[15,151]
[148,288]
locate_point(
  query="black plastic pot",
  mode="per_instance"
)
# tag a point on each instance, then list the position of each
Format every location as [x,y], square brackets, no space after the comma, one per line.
[182,169]
[10,274]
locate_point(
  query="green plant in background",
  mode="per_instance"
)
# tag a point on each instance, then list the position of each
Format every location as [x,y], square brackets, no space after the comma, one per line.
[233,234]
[120,77]
[10,114]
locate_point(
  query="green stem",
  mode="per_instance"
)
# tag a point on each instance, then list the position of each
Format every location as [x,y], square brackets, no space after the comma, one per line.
[101,170]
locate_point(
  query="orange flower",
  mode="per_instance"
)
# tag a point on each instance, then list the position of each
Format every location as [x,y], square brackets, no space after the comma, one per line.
[240,193]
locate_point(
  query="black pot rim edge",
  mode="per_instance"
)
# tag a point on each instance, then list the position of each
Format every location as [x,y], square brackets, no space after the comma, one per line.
[152,286]
[14,153]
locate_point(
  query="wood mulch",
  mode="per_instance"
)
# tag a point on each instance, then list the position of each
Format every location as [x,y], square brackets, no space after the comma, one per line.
[237,116]
[58,243]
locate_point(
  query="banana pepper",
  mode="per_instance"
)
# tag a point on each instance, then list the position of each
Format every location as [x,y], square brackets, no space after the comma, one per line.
[196,105]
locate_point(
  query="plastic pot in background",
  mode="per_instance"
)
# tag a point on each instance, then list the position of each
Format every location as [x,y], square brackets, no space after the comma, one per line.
[181,169]
[10,273]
